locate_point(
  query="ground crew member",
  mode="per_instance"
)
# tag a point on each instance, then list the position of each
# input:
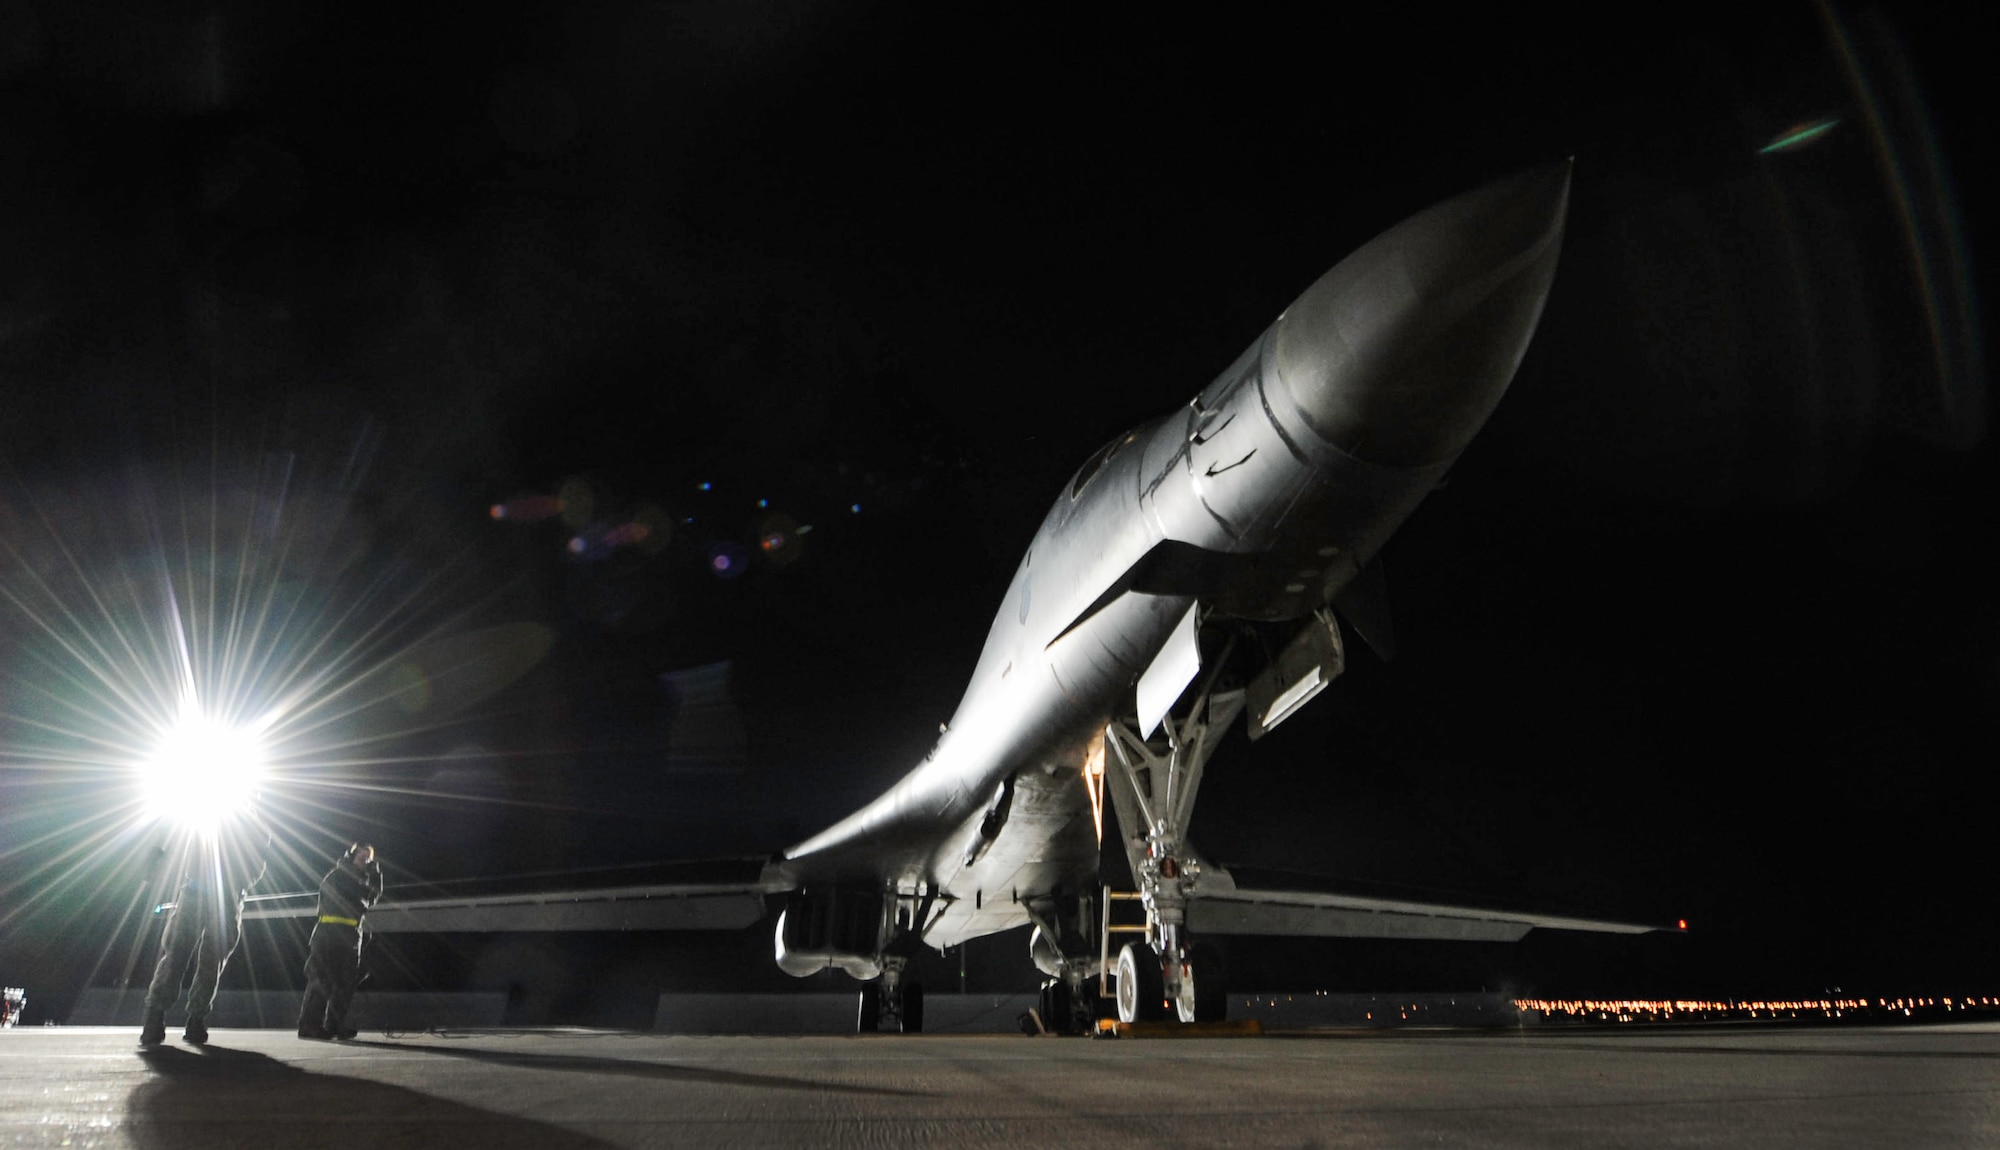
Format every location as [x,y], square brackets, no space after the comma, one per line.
[333,959]
[204,927]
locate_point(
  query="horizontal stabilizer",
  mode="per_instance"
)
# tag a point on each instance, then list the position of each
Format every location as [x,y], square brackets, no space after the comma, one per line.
[652,906]
[1364,603]
[1219,907]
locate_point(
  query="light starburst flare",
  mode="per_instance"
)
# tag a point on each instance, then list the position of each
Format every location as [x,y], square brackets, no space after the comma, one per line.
[203,771]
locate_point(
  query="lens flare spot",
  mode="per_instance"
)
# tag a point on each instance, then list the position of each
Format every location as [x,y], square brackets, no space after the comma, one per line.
[1797,136]
[203,772]
[778,539]
[727,560]
[527,509]
[627,535]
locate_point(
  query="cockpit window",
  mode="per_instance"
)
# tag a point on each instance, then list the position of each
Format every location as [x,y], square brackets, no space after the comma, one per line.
[1096,463]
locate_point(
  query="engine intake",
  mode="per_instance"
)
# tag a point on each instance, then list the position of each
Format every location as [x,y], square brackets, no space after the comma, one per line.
[839,928]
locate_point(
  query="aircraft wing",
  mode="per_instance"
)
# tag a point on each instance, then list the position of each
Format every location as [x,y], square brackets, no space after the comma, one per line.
[1219,906]
[721,902]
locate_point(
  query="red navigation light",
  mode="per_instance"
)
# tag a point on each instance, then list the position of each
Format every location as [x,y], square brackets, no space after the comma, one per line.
[1684,924]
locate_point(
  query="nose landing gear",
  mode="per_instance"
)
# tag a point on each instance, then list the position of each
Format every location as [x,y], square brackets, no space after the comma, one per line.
[1142,995]
[1153,795]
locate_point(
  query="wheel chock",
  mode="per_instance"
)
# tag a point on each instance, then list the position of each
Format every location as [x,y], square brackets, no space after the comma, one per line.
[1243,1028]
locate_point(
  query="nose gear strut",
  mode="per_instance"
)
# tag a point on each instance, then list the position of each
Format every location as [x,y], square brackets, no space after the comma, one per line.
[1153,792]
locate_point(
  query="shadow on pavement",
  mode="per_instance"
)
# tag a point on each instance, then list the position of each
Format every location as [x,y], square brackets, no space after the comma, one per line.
[222,1097]
[658,1071]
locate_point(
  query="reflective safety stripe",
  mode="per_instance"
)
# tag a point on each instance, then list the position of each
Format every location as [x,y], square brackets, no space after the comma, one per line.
[342,921]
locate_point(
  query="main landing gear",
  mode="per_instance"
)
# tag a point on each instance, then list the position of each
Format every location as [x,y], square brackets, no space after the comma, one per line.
[892,1002]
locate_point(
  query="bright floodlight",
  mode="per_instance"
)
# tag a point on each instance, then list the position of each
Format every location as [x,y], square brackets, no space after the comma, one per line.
[203,772]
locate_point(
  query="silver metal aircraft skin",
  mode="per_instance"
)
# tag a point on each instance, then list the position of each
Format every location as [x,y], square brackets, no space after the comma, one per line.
[1262,502]
[1298,462]
[1265,498]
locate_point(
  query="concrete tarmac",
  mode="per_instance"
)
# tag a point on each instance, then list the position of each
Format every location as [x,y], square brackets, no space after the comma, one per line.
[1931,1086]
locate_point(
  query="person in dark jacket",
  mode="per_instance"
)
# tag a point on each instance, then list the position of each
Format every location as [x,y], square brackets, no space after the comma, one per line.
[333,958]
[204,928]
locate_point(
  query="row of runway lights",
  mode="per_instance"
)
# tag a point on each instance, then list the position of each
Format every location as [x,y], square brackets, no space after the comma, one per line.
[1628,1009]
[1694,1009]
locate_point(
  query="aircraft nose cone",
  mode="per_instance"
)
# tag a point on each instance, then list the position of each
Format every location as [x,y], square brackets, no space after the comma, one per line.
[1398,354]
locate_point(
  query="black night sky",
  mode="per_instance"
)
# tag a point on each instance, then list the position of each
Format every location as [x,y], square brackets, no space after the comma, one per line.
[1704,625]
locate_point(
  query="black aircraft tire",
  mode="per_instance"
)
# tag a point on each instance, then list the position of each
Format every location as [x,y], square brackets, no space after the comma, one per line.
[913,1007]
[1141,989]
[1211,983]
[1057,1016]
[869,1018]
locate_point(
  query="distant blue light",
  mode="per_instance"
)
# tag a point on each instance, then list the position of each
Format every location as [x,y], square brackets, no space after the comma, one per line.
[855,508]
[763,503]
[705,486]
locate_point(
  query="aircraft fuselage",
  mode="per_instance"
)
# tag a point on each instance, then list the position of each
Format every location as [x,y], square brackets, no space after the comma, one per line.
[1262,499]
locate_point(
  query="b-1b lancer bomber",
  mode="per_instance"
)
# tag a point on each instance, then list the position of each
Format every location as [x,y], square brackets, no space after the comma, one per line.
[1260,505]
[1264,500]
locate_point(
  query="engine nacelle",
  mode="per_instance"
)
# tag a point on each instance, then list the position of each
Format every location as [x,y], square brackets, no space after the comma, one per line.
[842,929]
